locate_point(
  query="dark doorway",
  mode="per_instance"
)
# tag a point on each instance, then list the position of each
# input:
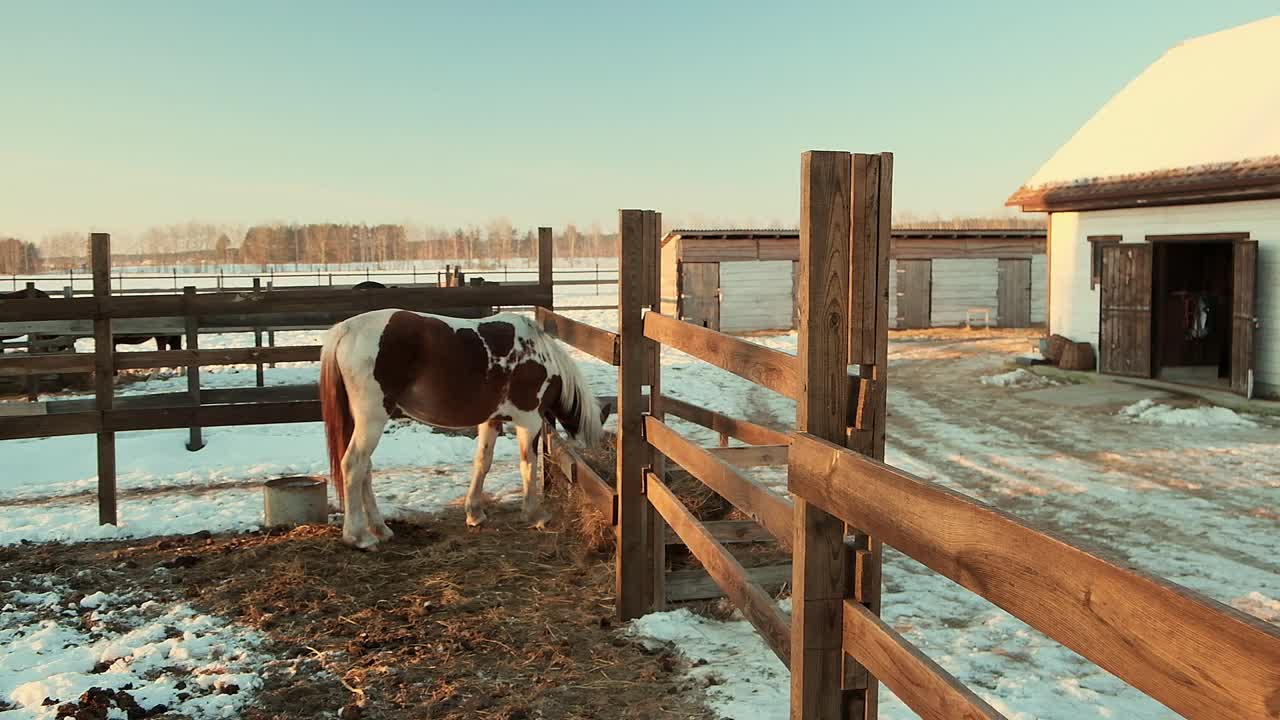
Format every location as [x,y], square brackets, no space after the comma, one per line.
[1192,311]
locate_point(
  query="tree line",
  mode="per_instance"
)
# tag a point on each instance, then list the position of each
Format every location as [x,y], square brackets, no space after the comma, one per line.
[206,245]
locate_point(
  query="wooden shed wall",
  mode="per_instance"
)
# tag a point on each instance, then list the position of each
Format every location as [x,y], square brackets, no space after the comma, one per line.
[669,291]
[959,285]
[756,296]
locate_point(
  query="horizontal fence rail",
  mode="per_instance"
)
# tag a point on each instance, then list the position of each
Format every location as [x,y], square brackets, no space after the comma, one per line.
[747,432]
[918,681]
[260,302]
[1200,658]
[770,509]
[84,362]
[763,366]
[755,604]
[578,472]
[598,343]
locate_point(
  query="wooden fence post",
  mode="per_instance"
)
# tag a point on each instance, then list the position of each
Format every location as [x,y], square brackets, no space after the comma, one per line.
[843,320]
[257,338]
[196,440]
[633,578]
[271,334]
[871,208]
[655,526]
[545,260]
[820,561]
[103,375]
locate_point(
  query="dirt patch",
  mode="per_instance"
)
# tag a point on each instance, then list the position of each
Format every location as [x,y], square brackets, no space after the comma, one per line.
[501,622]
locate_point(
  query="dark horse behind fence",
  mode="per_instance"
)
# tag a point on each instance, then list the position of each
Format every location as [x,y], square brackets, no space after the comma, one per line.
[451,373]
[37,343]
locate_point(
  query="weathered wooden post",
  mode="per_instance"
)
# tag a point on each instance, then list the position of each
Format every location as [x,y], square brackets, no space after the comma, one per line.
[271,333]
[655,526]
[633,576]
[257,339]
[103,374]
[843,317]
[545,262]
[196,441]
[872,208]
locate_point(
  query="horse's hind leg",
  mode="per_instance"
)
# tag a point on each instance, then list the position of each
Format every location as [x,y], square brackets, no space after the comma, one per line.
[377,524]
[527,433]
[356,471]
[486,438]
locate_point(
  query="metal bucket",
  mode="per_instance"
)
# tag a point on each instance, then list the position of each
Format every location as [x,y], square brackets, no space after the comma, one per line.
[295,500]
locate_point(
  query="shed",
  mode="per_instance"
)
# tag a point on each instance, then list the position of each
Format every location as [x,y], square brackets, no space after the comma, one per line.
[1164,218]
[745,280]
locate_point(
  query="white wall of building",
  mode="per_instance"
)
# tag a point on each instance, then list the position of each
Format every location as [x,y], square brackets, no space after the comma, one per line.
[1074,307]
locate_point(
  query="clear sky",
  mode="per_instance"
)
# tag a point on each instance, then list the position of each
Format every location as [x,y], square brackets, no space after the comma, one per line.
[118,115]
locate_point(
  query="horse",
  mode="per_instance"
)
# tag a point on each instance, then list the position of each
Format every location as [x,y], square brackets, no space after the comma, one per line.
[450,373]
[45,343]
[163,342]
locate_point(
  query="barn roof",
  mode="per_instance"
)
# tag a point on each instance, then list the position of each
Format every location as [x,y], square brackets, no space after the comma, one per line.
[1200,124]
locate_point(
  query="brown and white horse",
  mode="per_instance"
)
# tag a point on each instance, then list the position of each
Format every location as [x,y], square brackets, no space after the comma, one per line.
[451,373]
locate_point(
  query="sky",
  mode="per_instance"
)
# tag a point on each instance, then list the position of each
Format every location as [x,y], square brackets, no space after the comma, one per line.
[116,116]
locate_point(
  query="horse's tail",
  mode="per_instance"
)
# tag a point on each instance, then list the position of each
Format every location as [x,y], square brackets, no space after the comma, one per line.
[576,408]
[339,424]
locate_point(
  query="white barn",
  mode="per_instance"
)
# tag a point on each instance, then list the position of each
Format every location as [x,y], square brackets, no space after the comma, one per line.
[1164,218]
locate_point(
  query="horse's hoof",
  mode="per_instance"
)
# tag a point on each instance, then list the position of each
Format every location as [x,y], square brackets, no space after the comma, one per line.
[367,542]
[383,533]
[540,519]
[476,519]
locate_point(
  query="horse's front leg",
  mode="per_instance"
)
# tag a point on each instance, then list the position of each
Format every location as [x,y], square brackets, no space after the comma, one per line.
[486,438]
[528,434]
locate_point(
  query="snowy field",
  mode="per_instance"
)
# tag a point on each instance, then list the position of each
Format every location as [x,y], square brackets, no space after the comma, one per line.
[1188,493]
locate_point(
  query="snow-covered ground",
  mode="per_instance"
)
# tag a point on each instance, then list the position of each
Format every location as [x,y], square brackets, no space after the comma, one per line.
[54,648]
[1189,497]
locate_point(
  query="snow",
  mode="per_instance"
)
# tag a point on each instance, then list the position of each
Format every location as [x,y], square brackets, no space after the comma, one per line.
[1195,507]
[163,654]
[1015,378]
[742,677]
[1260,606]
[1233,116]
[1150,412]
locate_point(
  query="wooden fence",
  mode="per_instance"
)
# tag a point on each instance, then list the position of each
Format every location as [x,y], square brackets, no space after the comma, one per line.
[1194,655]
[187,313]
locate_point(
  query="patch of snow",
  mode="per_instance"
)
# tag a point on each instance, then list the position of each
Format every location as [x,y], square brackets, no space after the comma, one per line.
[1260,606]
[742,677]
[169,655]
[1015,378]
[1153,413]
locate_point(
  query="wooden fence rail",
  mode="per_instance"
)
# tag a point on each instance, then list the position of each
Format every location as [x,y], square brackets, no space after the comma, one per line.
[754,602]
[763,366]
[598,343]
[1199,657]
[917,680]
[766,507]
[261,302]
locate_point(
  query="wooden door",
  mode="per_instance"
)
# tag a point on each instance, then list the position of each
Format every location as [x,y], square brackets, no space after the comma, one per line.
[915,292]
[1124,339]
[700,293]
[1013,293]
[1244,319]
